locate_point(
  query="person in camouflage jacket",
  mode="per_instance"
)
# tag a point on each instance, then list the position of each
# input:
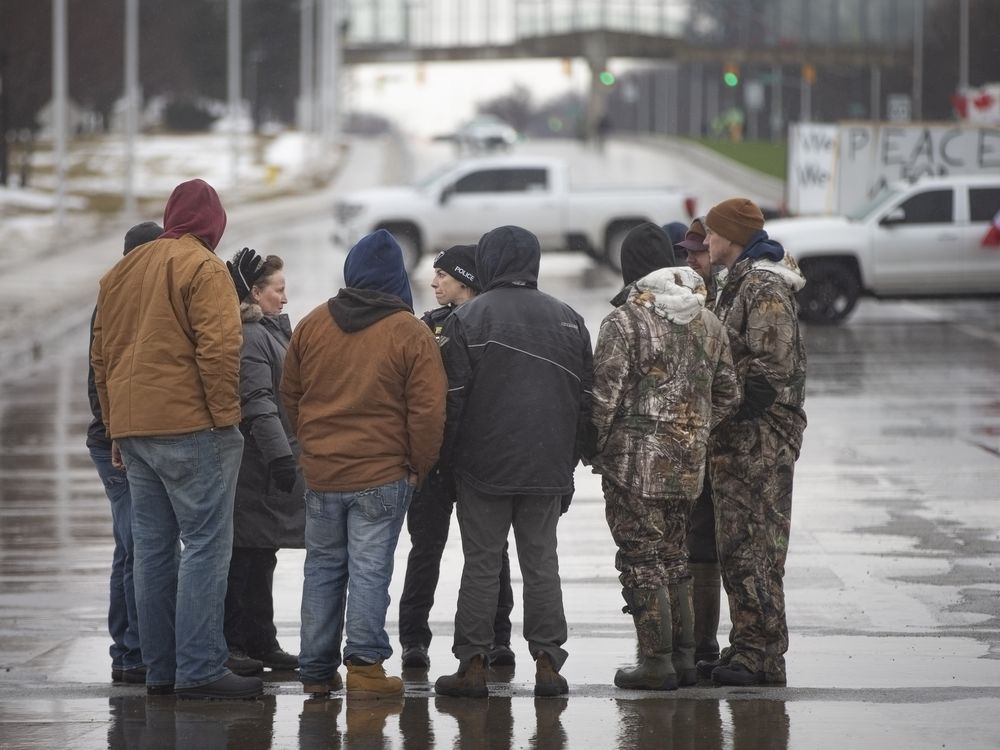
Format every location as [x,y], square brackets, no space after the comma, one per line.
[752,455]
[663,377]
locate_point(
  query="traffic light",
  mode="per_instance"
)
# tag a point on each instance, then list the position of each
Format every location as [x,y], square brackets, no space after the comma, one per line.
[607,78]
[731,75]
[809,74]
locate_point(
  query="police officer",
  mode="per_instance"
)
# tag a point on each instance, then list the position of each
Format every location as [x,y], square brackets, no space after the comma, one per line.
[429,517]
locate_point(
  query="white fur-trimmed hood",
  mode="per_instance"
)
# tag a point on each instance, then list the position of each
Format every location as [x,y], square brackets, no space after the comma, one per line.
[676,293]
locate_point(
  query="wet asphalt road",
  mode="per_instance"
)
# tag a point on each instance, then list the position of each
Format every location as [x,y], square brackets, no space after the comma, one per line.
[892,584]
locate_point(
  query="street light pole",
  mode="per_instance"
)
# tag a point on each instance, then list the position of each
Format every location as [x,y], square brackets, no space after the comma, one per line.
[234,83]
[963,46]
[131,102]
[918,60]
[59,114]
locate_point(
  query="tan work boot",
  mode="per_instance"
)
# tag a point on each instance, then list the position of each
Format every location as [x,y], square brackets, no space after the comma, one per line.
[370,681]
[322,687]
[468,682]
[548,682]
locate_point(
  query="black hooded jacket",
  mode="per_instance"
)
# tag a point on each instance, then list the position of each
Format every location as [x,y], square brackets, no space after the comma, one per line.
[520,368]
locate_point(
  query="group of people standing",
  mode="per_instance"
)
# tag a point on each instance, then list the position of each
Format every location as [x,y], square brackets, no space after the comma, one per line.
[222,435]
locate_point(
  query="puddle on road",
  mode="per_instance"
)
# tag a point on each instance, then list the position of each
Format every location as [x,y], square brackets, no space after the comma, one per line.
[288,721]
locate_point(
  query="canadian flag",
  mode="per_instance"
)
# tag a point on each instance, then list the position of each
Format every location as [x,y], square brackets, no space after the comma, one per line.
[979,106]
[992,238]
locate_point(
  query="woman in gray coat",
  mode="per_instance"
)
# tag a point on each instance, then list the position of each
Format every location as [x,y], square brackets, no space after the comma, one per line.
[269,513]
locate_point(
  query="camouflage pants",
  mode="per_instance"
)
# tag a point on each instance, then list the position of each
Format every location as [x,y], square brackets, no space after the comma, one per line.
[650,537]
[751,469]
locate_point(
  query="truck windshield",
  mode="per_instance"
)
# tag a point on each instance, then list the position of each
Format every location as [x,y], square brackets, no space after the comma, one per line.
[865,209]
[423,182]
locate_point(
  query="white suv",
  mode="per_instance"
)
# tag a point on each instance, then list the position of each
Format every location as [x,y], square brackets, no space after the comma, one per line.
[923,238]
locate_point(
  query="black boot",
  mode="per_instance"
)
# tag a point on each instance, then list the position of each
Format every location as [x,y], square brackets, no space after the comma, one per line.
[706,590]
[682,610]
[650,610]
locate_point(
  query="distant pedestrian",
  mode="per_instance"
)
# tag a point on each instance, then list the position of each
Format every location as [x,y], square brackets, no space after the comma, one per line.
[455,282]
[269,512]
[166,368]
[752,455]
[663,378]
[123,620]
[364,390]
[519,369]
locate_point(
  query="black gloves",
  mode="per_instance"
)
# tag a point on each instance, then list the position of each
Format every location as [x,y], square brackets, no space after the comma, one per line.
[284,471]
[758,395]
[564,502]
[245,268]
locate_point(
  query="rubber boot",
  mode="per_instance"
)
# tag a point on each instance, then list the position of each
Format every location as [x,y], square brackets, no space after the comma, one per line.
[707,590]
[650,609]
[682,609]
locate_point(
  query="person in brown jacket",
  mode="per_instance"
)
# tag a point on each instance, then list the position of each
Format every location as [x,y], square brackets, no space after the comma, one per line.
[166,359]
[364,391]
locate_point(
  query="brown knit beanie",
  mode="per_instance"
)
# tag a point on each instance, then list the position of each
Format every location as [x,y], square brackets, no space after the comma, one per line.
[737,220]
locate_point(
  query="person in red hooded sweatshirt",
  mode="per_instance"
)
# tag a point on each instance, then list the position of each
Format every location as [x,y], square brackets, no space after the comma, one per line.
[166,359]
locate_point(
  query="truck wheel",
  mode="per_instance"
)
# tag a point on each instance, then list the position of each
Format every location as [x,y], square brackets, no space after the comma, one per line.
[830,294]
[613,243]
[408,237]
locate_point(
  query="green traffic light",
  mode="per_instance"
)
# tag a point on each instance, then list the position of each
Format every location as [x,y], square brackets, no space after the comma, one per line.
[731,79]
[607,78]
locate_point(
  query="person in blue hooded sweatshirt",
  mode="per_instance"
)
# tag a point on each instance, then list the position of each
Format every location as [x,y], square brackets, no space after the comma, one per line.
[520,369]
[752,454]
[364,391]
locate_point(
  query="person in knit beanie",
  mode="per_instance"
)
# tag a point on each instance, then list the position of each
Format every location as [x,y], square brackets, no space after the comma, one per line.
[752,454]
[736,219]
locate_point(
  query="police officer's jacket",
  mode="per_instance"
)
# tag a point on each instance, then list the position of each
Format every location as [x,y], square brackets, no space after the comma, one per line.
[520,367]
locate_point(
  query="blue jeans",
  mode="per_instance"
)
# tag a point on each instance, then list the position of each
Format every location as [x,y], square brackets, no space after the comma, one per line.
[350,542]
[183,488]
[123,620]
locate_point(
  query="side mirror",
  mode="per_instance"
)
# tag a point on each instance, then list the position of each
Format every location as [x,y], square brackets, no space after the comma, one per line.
[896,216]
[446,194]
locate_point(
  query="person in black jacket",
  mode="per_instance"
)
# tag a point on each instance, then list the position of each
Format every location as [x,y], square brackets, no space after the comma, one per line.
[429,515]
[269,511]
[123,620]
[520,367]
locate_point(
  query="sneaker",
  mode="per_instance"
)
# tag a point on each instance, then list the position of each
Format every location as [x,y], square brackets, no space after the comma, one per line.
[468,682]
[736,673]
[366,680]
[277,659]
[165,689]
[227,687]
[548,682]
[501,655]
[133,676]
[241,664]
[322,687]
[415,657]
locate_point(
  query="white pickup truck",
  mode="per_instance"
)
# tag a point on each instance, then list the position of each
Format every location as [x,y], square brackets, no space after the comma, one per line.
[923,238]
[461,202]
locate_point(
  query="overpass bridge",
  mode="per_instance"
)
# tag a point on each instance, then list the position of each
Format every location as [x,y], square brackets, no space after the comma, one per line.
[778,44]
[783,41]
